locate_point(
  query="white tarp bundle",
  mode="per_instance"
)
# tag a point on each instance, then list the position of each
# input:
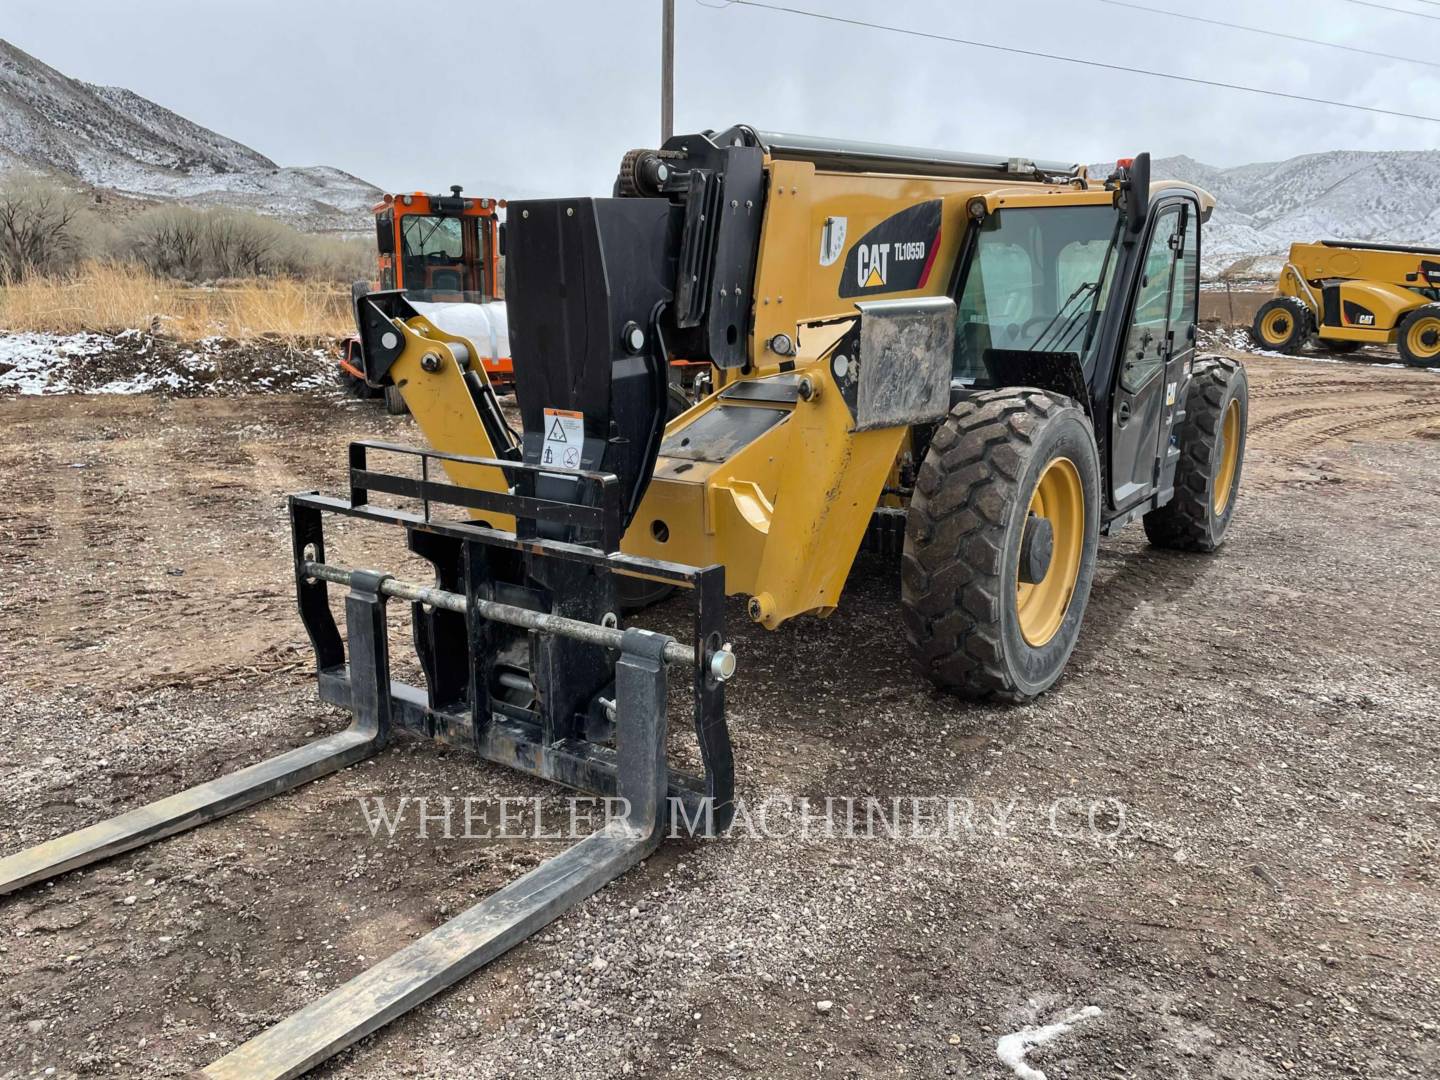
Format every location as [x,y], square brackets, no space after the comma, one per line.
[484,324]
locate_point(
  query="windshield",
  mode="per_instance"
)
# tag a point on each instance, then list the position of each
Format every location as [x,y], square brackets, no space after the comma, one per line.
[1037,281]
[442,258]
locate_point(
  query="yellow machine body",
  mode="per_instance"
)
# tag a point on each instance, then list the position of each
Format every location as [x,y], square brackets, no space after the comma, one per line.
[1360,293]
[786,513]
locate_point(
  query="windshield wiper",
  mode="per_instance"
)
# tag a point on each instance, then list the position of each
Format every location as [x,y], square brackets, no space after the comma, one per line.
[1063,331]
[425,237]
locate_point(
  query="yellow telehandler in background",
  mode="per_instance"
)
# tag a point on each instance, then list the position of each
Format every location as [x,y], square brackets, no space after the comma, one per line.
[1347,295]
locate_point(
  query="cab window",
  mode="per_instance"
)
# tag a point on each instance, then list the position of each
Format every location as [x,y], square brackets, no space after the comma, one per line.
[443,257]
[1146,346]
[1037,281]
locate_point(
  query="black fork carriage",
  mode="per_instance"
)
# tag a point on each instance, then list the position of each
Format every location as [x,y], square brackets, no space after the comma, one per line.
[525,664]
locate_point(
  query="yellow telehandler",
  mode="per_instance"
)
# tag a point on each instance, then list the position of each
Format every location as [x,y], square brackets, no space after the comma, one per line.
[1346,295]
[978,364]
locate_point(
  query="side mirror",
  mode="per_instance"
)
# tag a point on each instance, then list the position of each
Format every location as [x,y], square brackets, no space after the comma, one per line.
[1135,193]
[385,233]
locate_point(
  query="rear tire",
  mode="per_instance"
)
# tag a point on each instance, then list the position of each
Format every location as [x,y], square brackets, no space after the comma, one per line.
[1282,325]
[1000,459]
[1419,337]
[395,401]
[1212,457]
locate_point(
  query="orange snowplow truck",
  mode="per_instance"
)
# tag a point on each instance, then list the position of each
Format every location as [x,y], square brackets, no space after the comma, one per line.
[443,251]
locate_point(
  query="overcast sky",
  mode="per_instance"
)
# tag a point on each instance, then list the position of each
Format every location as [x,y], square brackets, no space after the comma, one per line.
[543,97]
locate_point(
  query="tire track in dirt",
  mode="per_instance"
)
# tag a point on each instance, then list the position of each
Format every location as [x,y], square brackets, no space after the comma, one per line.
[1304,388]
[1293,428]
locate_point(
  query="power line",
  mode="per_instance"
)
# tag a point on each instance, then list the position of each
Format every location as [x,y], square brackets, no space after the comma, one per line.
[1085,63]
[1273,33]
[1398,11]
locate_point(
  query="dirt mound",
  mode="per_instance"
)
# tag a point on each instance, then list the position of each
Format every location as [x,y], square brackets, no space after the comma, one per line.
[136,363]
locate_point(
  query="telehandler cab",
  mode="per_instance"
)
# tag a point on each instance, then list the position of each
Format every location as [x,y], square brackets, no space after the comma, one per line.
[976,363]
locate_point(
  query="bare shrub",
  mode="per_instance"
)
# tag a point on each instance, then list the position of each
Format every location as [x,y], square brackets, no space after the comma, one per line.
[168,241]
[333,258]
[242,245]
[43,229]
[220,243]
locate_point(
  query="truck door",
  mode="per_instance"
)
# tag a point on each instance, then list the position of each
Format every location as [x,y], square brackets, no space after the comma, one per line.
[1154,345]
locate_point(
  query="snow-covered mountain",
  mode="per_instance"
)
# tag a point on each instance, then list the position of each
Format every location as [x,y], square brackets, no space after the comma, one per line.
[110,138]
[1388,196]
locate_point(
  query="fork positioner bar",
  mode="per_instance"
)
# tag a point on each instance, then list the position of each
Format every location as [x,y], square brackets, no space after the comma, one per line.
[722,663]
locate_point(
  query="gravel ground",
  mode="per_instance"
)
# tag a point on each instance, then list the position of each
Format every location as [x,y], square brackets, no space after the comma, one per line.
[1240,883]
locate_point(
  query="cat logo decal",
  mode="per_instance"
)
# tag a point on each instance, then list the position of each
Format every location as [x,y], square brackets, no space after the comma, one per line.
[896,255]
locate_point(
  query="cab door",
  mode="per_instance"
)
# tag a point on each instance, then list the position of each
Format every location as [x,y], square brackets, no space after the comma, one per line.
[1154,344]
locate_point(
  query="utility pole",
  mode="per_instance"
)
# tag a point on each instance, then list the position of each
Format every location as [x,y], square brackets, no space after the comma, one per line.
[667,69]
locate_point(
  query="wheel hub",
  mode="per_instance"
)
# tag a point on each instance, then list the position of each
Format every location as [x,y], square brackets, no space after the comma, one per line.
[1275,327]
[1037,547]
[1423,339]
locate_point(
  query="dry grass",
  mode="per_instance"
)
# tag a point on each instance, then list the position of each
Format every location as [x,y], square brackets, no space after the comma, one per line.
[109,297]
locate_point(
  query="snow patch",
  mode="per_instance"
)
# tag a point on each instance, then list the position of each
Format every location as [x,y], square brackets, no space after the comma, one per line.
[134,363]
[29,363]
[1012,1048]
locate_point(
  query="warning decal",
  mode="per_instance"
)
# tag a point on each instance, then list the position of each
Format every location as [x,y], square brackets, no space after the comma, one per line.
[564,439]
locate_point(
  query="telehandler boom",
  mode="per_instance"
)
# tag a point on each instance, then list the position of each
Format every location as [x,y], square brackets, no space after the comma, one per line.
[976,363]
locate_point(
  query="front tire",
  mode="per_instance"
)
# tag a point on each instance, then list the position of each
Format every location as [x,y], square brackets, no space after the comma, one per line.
[1419,337]
[1281,325]
[1002,461]
[1212,455]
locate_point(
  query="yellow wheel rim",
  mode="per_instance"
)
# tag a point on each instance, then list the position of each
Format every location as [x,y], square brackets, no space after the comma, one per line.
[1059,498]
[1229,456]
[1275,327]
[1423,338]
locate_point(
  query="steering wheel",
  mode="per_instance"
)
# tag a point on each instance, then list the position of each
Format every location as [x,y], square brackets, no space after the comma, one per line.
[1034,326]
